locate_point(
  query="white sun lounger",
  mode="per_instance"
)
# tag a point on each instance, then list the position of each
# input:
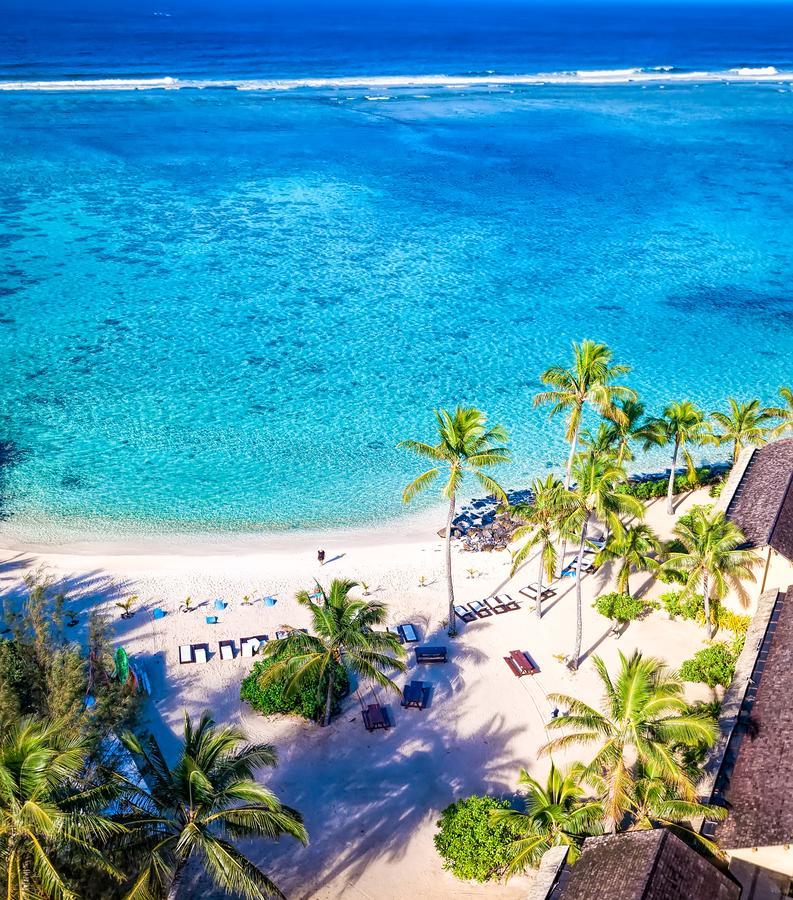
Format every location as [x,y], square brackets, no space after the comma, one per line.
[480,609]
[226,649]
[186,654]
[409,633]
[200,654]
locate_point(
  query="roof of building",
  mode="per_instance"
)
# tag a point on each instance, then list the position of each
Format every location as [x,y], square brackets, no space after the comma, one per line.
[645,865]
[759,498]
[758,794]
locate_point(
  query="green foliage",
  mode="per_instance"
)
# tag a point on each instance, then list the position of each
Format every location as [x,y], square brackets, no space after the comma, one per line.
[683,605]
[620,607]
[712,665]
[472,844]
[307,701]
[734,622]
[654,488]
[717,488]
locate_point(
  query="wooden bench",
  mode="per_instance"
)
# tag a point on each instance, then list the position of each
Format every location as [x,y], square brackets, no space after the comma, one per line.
[431,654]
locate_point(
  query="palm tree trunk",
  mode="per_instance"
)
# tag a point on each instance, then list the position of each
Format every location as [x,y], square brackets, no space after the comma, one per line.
[538,599]
[670,508]
[449,583]
[173,888]
[579,625]
[328,699]
[706,597]
[567,476]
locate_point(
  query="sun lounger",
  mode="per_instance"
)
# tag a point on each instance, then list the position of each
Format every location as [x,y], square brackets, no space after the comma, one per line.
[431,654]
[250,645]
[211,620]
[394,629]
[480,609]
[495,604]
[463,613]
[186,654]
[280,635]
[531,590]
[408,633]
[201,654]
[374,717]
[220,605]
[226,649]
[158,613]
[508,603]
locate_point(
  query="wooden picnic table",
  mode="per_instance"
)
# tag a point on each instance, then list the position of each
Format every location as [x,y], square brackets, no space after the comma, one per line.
[373,717]
[413,695]
[522,662]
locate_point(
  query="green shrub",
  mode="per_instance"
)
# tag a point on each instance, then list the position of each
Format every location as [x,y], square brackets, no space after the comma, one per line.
[472,845]
[656,487]
[307,701]
[713,665]
[716,489]
[682,605]
[734,622]
[620,607]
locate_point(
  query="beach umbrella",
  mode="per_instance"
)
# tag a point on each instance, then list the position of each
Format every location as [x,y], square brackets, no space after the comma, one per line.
[270,601]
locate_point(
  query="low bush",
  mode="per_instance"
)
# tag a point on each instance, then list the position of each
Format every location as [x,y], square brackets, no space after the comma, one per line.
[653,488]
[620,608]
[713,665]
[307,701]
[734,622]
[682,605]
[471,844]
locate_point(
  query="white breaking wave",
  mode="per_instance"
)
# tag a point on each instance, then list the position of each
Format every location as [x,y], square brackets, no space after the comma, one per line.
[657,74]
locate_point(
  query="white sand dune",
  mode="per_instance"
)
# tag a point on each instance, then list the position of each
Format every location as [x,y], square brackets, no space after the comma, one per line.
[370,800]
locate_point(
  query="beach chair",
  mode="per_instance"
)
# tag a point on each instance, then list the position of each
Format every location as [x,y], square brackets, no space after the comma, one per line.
[431,655]
[226,649]
[408,633]
[280,635]
[508,603]
[394,629]
[414,695]
[480,610]
[495,604]
[220,605]
[248,647]
[532,589]
[158,613]
[211,620]
[201,654]
[186,654]
[464,614]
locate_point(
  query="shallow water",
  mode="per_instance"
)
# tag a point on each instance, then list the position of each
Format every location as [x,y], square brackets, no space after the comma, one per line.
[222,309]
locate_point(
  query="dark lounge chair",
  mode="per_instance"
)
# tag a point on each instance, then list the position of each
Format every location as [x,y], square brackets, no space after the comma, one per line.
[374,717]
[415,695]
[409,633]
[495,604]
[464,614]
[431,654]
[507,602]
[481,609]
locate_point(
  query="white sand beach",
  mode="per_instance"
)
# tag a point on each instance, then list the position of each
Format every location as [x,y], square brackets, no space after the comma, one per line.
[370,800]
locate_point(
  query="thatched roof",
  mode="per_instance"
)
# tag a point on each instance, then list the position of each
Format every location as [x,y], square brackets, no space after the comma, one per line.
[758,793]
[645,865]
[758,497]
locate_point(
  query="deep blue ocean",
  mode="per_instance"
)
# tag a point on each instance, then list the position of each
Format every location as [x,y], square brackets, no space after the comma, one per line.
[222,308]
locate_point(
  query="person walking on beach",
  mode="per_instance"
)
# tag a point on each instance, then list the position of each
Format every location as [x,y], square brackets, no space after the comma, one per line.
[321,557]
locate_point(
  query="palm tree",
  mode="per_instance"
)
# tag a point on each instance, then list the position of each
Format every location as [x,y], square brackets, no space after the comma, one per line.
[556,813]
[712,557]
[784,412]
[343,635]
[541,520]
[682,424]
[197,809]
[45,808]
[744,424]
[588,380]
[630,428]
[637,546]
[595,495]
[465,446]
[643,715]
[654,803]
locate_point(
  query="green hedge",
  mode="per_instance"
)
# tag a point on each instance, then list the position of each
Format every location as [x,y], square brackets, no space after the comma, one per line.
[472,845]
[657,487]
[620,607]
[307,701]
[681,605]
[713,665]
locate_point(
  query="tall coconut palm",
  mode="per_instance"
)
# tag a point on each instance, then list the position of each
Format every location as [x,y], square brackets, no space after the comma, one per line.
[744,424]
[654,803]
[643,716]
[196,809]
[681,425]
[465,446]
[555,814]
[588,380]
[541,520]
[594,496]
[343,634]
[637,547]
[712,558]
[630,428]
[46,809]
[783,412]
